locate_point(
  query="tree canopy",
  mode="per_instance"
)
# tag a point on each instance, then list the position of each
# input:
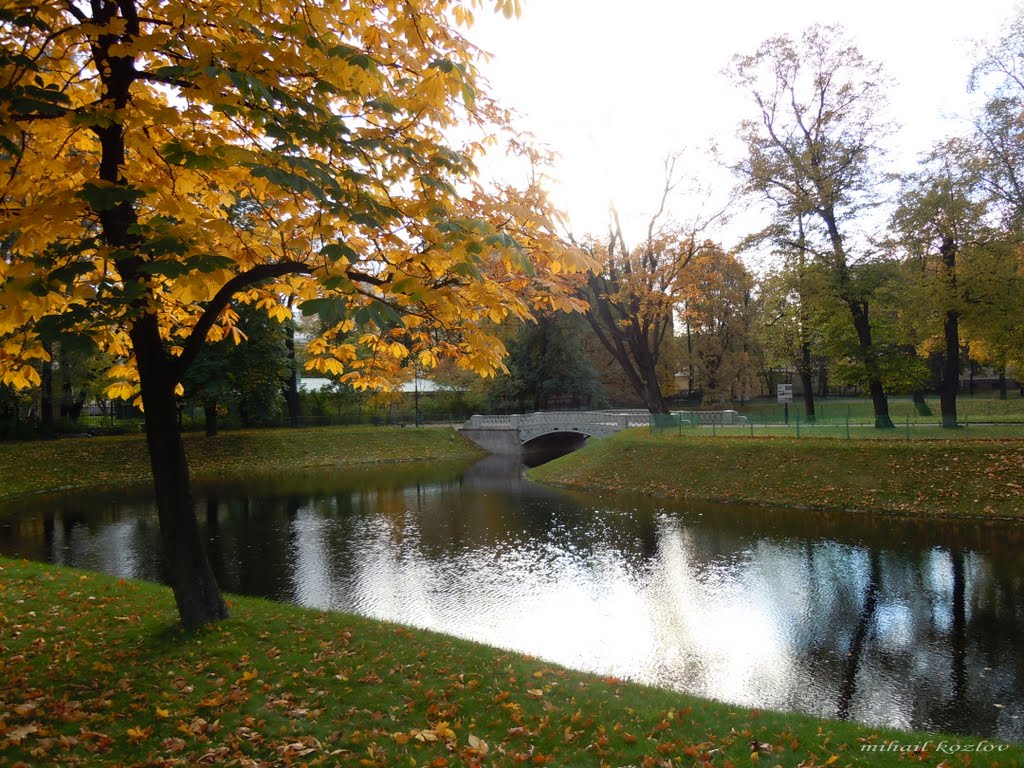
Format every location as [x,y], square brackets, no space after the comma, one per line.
[130,131]
[163,162]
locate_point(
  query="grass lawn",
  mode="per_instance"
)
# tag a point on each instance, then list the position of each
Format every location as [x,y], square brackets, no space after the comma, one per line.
[962,478]
[836,410]
[92,672]
[49,466]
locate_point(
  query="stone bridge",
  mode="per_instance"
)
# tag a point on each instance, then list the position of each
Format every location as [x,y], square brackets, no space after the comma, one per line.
[508,434]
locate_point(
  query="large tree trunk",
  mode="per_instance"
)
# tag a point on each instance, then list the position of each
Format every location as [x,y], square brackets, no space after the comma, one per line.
[879,400]
[46,395]
[210,418]
[639,364]
[653,398]
[804,364]
[291,386]
[920,404]
[861,323]
[195,589]
[689,358]
[950,383]
[807,382]
[71,403]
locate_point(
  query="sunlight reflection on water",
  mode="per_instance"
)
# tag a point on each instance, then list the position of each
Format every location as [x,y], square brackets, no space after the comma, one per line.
[897,622]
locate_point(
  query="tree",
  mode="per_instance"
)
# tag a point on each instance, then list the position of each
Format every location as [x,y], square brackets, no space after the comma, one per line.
[633,294]
[810,153]
[247,376]
[940,216]
[718,309]
[999,133]
[548,367]
[129,131]
[993,310]
[993,316]
[789,302]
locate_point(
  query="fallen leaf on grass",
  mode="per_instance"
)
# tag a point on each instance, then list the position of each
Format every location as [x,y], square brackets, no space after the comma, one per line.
[172,744]
[20,732]
[136,734]
[478,745]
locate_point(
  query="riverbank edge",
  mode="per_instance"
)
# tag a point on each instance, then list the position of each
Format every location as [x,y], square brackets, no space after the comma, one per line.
[972,480]
[54,467]
[96,671]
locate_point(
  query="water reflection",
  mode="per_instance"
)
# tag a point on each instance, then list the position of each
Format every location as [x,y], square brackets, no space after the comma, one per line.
[902,622]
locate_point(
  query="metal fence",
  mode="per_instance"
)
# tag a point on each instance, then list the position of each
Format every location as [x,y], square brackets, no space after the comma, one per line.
[838,427]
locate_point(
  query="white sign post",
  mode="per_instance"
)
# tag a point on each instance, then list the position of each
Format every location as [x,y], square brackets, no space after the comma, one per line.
[785,394]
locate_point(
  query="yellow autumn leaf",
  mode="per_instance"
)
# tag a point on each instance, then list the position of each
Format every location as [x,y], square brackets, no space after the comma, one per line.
[119,390]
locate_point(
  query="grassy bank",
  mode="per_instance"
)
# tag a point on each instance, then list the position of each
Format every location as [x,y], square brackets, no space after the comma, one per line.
[117,462]
[836,410]
[983,478]
[92,674]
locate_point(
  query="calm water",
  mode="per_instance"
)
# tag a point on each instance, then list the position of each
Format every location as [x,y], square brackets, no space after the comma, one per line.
[902,622]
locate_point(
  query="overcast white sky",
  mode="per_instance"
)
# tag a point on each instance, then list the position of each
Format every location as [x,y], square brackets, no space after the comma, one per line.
[614,86]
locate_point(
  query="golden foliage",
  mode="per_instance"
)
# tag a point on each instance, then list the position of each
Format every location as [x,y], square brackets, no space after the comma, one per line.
[172,159]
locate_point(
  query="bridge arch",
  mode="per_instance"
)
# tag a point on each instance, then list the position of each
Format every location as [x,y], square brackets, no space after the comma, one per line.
[509,433]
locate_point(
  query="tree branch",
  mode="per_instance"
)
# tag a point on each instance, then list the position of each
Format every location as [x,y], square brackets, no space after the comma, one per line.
[220,301]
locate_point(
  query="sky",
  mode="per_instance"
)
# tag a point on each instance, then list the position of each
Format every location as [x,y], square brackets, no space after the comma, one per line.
[615,86]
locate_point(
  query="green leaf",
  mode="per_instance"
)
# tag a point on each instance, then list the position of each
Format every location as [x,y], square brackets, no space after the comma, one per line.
[408,286]
[211,262]
[445,65]
[366,220]
[70,272]
[383,105]
[467,269]
[384,315]
[165,244]
[440,184]
[331,310]
[335,251]
[106,197]
[287,180]
[167,267]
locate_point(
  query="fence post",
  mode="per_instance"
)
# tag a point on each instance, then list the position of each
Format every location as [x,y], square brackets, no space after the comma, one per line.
[797,415]
[847,426]
[908,427]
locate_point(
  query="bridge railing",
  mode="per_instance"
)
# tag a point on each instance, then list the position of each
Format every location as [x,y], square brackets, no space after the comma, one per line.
[620,419]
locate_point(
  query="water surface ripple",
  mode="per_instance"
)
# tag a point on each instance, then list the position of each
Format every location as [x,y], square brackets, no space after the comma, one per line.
[902,622]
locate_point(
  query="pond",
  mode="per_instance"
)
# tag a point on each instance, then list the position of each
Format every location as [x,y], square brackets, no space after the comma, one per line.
[895,621]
